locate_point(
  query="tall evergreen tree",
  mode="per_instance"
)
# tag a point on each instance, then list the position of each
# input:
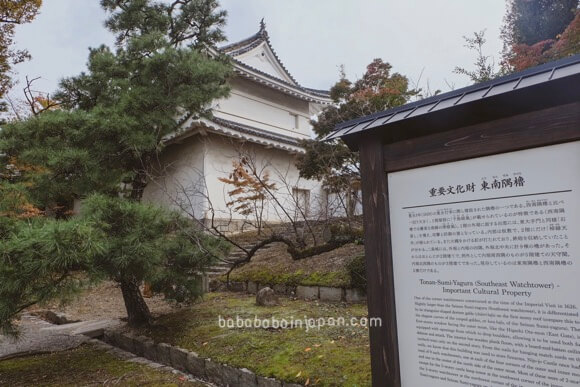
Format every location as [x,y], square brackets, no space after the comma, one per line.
[529,22]
[114,117]
[532,27]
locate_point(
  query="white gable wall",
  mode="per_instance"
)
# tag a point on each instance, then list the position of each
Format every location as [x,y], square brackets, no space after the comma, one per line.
[190,172]
[263,59]
[261,107]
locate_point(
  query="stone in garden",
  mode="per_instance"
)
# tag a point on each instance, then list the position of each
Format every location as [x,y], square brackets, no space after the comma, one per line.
[268,382]
[247,378]
[330,294]
[178,358]
[55,318]
[355,295]
[237,287]
[163,356]
[231,376]
[216,285]
[266,297]
[252,287]
[126,342]
[214,372]
[150,350]
[280,289]
[195,365]
[307,292]
[262,286]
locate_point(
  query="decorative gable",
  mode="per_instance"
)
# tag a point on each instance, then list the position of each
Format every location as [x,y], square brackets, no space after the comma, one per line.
[256,52]
[266,105]
[262,58]
[255,59]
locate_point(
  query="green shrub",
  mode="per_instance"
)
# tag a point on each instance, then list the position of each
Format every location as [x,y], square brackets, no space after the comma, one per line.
[149,243]
[39,261]
[125,241]
[357,271]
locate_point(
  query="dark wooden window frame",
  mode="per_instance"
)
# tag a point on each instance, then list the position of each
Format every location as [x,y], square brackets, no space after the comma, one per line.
[545,127]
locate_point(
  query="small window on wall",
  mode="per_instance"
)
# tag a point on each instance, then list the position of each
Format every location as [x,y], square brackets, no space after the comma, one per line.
[302,203]
[296,120]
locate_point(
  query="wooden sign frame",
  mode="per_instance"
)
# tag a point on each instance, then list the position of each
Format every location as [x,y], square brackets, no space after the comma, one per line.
[378,157]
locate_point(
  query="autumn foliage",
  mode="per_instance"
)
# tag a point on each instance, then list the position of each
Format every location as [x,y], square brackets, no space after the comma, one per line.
[333,162]
[14,197]
[13,12]
[250,189]
[565,44]
[15,204]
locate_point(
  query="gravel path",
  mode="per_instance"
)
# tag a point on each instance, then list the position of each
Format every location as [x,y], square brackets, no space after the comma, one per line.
[99,307]
[38,336]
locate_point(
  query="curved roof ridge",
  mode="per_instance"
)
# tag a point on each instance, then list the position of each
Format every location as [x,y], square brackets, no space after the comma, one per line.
[267,38]
[319,93]
[245,45]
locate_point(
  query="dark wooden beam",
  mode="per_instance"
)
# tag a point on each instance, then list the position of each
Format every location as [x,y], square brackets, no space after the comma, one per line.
[540,128]
[379,265]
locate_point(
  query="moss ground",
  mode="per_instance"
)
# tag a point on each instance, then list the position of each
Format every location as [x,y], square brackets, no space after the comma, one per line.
[83,366]
[276,266]
[330,356]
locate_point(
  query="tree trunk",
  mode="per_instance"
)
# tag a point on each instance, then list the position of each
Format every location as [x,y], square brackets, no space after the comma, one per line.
[137,310]
[138,185]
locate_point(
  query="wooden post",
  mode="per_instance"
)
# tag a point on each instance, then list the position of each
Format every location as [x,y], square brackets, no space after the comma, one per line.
[379,267]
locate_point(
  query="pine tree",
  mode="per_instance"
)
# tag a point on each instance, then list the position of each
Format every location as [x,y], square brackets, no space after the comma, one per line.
[113,121]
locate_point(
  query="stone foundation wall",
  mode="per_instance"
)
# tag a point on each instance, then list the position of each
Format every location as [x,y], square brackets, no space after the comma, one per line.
[322,293]
[190,362]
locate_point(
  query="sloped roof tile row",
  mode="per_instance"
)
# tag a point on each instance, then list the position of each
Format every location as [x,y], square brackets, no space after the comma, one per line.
[501,86]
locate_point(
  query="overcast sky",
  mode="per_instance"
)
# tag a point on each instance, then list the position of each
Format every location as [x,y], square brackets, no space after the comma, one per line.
[312,37]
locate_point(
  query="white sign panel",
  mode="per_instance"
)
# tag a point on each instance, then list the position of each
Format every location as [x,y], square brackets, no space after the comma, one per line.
[486,256]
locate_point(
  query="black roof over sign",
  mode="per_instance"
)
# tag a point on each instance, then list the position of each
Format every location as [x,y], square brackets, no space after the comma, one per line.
[547,85]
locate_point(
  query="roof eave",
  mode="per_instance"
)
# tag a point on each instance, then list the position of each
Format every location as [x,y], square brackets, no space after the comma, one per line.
[274,83]
[196,126]
[534,89]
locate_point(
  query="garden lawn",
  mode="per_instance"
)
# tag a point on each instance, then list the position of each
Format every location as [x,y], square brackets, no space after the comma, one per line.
[84,366]
[330,356]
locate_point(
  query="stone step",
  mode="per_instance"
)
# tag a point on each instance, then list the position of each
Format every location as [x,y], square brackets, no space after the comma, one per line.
[236,255]
[217,270]
[216,273]
[221,264]
[220,267]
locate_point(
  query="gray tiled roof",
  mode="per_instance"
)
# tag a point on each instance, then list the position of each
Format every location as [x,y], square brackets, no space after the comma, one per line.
[245,45]
[503,86]
[256,131]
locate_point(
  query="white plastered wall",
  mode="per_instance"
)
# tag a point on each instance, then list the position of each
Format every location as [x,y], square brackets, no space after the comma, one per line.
[280,166]
[260,107]
[178,179]
[188,173]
